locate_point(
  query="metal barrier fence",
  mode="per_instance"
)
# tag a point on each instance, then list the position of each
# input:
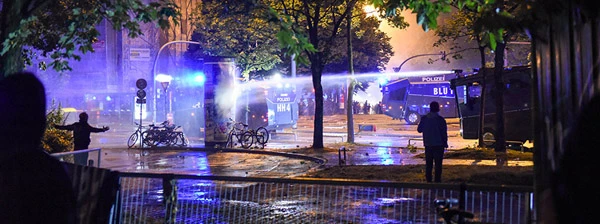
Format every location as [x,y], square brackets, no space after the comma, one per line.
[68,156]
[168,198]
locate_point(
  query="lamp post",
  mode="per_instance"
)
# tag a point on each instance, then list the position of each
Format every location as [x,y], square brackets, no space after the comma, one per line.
[155,65]
[165,80]
[442,53]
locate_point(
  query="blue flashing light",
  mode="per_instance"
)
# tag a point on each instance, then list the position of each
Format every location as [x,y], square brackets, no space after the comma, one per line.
[382,81]
[199,78]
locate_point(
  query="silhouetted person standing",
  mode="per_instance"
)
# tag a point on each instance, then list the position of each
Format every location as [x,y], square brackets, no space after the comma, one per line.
[435,138]
[311,109]
[81,134]
[34,186]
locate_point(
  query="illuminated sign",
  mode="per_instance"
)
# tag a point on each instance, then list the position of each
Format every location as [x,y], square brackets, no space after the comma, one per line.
[137,109]
[285,98]
[284,107]
[434,89]
[433,79]
[442,91]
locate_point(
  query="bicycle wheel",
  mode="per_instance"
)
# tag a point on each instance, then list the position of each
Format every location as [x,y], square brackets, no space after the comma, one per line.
[230,141]
[247,140]
[170,138]
[184,140]
[133,139]
[148,139]
[262,135]
[176,140]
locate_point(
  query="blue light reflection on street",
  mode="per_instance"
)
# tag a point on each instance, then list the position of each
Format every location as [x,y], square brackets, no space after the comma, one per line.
[385,154]
[198,162]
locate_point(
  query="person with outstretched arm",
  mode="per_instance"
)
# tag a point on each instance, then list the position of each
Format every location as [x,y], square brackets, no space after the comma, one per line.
[81,134]
[435,138]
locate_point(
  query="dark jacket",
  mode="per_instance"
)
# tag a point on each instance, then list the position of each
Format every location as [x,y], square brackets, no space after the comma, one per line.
[434,129]
[81,133]
[35,188]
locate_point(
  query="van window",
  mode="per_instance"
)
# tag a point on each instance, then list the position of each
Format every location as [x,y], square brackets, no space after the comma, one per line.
[398,94]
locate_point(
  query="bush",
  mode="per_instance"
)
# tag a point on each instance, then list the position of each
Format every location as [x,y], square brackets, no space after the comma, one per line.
[55,140]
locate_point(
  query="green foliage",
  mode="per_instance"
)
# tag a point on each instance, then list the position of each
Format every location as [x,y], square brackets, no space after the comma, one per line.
[58,29]
[371,48]
[494,18]
[55,140]
[292,42]
[236,30]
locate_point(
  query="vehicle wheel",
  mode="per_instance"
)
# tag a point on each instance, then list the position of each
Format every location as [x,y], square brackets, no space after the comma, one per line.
[133,139]
[489,137]
[412,117]
[262,135]
[247,140]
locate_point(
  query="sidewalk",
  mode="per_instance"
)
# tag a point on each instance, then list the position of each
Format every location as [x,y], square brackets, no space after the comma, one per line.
[268,162]
[378,155]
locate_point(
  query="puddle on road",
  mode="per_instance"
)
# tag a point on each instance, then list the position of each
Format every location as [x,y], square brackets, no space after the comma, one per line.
[219,164]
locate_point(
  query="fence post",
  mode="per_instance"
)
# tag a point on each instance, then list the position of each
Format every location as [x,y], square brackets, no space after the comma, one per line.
[461,200]
[342,161]
[170,198]
[116,210]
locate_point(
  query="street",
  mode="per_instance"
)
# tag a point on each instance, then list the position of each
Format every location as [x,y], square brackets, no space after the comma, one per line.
[387,133]
[385,145]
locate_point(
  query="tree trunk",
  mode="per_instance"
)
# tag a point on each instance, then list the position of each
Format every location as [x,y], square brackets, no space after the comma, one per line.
[500,146]
[317,70]
[349,114]
[482,107]
[10,20]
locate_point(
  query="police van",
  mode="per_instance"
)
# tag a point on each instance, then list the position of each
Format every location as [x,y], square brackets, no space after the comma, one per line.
[409,98]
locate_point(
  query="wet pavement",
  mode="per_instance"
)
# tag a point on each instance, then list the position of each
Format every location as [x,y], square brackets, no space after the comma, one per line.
[287,153]
[268,162]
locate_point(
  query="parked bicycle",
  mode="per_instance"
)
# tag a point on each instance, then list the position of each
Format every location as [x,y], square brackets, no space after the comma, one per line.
[163,134]
[135,137]
[451,215]
[240,134]
[260,136]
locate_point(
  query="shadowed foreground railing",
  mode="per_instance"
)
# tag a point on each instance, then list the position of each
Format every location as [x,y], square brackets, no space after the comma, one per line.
[168,198]
[68,156]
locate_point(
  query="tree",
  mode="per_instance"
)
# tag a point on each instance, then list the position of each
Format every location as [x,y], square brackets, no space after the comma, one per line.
[371,48]
[309,28]
[321,21]
[58,29]
[497,21]
[455,31]
[237,30]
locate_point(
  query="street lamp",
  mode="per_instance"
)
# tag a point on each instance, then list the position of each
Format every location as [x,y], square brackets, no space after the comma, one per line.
[442,53]
[155,65]
[164,80]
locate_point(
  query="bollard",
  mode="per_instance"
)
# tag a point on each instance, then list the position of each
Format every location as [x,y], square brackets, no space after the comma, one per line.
[342,161]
